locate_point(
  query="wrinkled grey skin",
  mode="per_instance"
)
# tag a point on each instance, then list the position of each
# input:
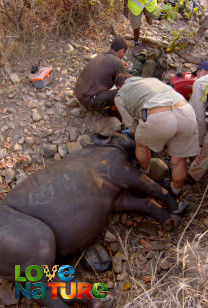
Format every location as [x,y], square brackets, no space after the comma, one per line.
[62,209]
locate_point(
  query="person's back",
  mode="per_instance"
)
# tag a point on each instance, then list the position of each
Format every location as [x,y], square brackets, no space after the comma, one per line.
[97,78]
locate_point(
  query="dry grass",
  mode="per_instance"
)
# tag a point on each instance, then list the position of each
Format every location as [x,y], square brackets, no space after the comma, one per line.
[31,21]
[185,283]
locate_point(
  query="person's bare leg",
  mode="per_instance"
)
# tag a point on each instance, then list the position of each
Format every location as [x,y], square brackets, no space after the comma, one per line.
[143,156]
[179,173]
[136,34]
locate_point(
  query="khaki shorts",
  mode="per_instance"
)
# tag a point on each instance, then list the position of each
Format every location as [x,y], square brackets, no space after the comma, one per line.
[176,128]
[136,21]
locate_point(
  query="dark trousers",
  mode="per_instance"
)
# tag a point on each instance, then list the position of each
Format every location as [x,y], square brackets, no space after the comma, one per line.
[101,100]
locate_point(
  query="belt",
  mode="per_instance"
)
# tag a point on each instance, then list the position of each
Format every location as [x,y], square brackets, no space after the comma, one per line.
[165,108]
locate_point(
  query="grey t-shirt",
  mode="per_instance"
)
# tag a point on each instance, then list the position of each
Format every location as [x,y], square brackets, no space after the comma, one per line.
[138,93]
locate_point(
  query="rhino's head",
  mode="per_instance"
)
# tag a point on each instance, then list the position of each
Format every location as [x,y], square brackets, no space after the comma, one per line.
[124,141]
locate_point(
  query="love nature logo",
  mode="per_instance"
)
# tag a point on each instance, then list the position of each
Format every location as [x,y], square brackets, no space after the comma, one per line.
[31,287]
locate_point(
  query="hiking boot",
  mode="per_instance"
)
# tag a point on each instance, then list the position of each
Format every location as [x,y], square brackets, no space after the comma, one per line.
[189,180]
[181,207]
[172,223]
[136,50]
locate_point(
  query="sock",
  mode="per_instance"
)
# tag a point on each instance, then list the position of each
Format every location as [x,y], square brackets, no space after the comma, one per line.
[137,43]
[176,191]
[146,171]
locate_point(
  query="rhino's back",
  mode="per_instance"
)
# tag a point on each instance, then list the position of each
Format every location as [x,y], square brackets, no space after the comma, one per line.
[67,198]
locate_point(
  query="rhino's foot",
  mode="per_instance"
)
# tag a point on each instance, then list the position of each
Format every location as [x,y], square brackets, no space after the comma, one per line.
[172,222]
[97,258]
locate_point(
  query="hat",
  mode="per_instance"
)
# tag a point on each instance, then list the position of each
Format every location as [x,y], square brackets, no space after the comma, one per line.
[203,66]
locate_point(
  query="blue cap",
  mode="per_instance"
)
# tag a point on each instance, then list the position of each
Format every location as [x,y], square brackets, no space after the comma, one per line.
[203,66]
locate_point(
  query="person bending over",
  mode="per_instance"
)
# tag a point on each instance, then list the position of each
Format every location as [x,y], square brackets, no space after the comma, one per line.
[93,87]
[159,116]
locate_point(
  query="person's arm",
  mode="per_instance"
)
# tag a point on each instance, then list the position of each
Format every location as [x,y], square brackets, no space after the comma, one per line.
[199,108]
[127,119]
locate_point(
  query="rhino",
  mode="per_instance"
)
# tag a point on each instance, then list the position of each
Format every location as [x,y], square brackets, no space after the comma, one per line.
[60,210]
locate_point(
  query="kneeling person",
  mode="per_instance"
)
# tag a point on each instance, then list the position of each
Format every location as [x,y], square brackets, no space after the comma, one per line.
[159,116]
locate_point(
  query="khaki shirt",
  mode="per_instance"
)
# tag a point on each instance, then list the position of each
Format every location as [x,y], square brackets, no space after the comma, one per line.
[138,93]
[199,106]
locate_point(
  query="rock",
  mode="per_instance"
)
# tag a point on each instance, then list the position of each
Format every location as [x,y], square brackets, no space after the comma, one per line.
[108,125]
[7,294]
[110,284]
[69,49]
[3,153]
[97,258]
[120,277]
[148,229]
[46,132]
[4,128]
[57,156]
[49,150]
[72,102]
[206,34]
[65,72]
[73,146]
[37,158]
[21,140]
[17,147]
[158,169]
[114,247]
[165,264]
[150,255]
[77,112]
[109,237]
[73,133]
[14,78]
[189,66]
[36,116]
[151,267]
[10,175]
[21,176]
[63,149]
[84,140]
[49,104]
[29,141]
[90,57]
[28,158]
[117,262]
[69,93]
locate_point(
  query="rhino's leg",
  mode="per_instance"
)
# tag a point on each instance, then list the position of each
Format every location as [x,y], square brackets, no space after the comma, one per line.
[127,202]
[137,183]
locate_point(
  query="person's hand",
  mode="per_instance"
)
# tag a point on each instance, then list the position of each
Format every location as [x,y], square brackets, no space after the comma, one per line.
[126,64]
[126,11]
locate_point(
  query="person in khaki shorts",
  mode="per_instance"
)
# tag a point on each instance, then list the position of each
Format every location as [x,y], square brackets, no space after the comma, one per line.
[136,8]
[200,102]
[159,116]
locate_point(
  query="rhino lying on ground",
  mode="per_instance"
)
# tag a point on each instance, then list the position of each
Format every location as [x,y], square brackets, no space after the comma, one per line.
[62,209]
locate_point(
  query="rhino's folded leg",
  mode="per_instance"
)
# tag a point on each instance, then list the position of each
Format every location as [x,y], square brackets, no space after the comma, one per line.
[138,183]
[127,202]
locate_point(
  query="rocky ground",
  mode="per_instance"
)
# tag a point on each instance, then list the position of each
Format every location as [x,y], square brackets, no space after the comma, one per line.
[38,126]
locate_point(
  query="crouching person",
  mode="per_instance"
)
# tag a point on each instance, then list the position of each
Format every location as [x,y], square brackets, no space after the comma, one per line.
[93,87]
[160,117]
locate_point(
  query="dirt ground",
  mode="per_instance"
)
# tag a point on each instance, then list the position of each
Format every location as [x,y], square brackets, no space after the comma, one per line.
[142,252]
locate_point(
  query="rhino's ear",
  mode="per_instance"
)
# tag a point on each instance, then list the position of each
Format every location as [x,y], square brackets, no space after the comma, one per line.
[100,139]
[102,181]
